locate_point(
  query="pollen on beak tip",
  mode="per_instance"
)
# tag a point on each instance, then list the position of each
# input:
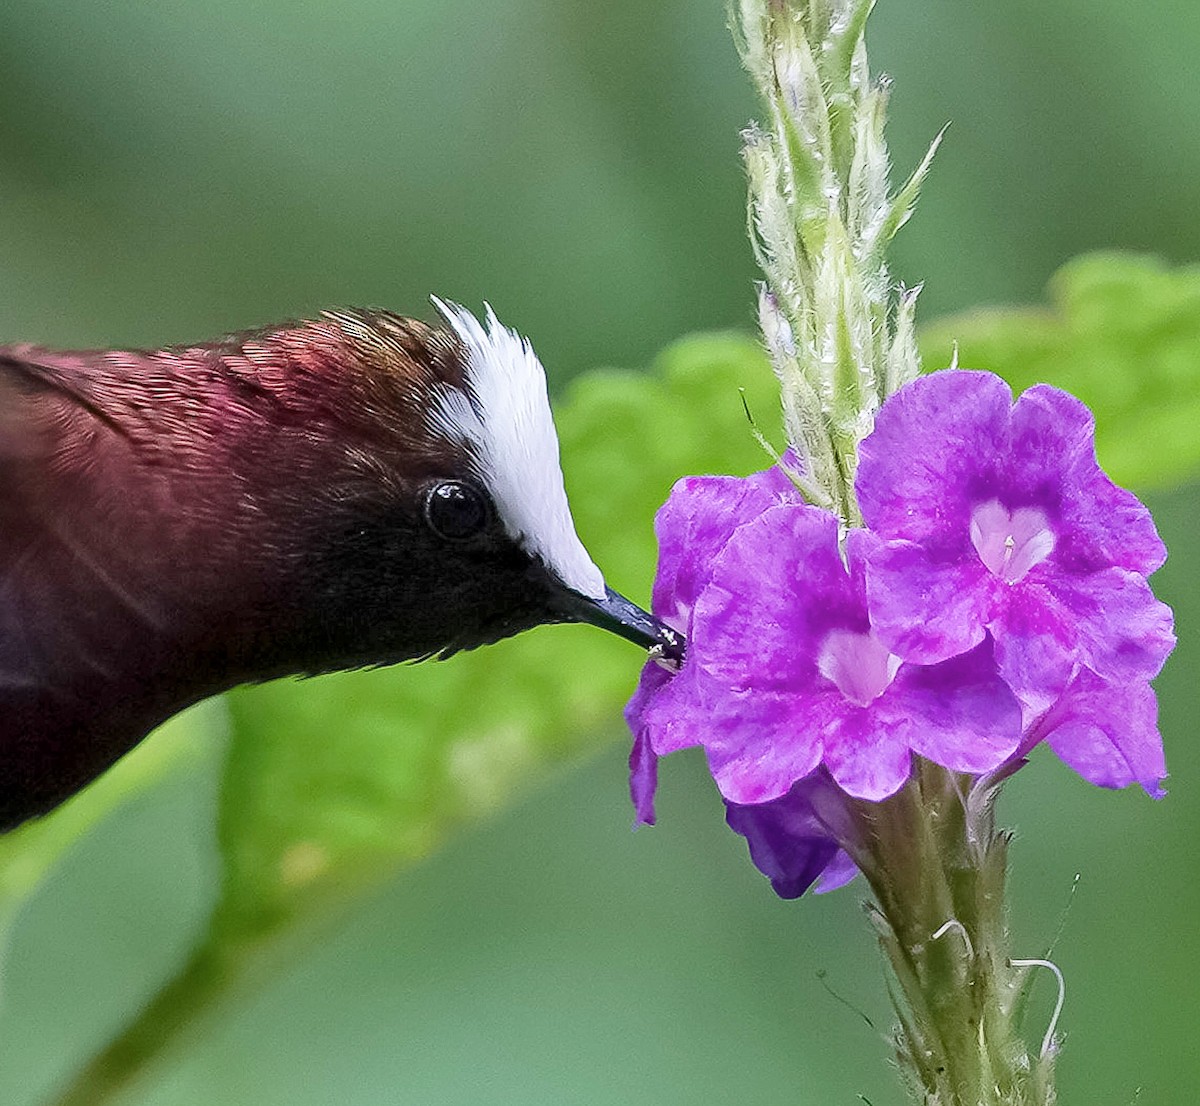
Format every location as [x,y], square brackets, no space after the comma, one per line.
[668,655]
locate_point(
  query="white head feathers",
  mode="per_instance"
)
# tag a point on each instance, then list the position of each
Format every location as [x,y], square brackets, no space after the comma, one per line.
[504,415]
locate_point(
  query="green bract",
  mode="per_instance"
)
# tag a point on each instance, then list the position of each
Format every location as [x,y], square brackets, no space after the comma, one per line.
[821,214]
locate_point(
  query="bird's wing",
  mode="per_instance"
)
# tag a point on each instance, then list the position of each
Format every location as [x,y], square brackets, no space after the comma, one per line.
[75,618]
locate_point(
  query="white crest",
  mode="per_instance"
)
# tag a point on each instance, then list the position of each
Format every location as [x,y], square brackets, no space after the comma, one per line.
[505,415]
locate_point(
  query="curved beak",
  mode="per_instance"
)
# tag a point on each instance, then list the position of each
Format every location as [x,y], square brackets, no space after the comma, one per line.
[618,615]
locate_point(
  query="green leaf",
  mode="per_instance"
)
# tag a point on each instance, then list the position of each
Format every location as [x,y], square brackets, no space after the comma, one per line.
[1123,334]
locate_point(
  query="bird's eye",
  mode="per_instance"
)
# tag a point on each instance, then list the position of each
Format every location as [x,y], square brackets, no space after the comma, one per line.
[455,510]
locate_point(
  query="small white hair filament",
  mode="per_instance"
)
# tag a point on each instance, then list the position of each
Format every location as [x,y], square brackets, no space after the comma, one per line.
[1048,1039]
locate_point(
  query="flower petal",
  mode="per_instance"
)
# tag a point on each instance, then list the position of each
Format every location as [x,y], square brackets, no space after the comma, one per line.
[959,714]
[760,743]
[1124,632]
[1036,643]
[867,755]
[777,587]
[698,518]
[677,716]
[643,779]
[926,611]
[1053,451]
[643,761]
[1108,733]
[933,455]
[789,844]
[792,861]
[838,872]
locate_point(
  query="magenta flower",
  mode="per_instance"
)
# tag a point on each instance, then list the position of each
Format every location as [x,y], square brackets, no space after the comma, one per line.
[784,672]
[698,518]
[997,519]
[787,674]
[791,843]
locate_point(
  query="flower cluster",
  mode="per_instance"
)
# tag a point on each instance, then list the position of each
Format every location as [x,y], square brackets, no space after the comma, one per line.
[995,598]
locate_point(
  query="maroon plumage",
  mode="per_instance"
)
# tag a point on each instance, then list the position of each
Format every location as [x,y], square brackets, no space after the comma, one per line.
[176,522]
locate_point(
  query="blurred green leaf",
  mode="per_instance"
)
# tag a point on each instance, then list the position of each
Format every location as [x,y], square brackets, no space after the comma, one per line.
[29,854]
[1123,334]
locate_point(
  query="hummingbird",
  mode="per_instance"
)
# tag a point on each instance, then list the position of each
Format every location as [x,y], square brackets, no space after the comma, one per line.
[359,489]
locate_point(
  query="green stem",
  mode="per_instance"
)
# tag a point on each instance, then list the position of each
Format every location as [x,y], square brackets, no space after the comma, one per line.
[166,1023]
[937,867]
[221,971]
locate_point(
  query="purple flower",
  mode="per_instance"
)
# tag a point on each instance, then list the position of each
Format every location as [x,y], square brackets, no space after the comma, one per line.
[791,843]
[698,518]
[996,599]
[1107,732]
[997,519]
[784,672]
[787,674]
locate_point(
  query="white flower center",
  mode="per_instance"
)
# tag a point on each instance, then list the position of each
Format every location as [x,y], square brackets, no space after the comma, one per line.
[859,664]
[1010,543]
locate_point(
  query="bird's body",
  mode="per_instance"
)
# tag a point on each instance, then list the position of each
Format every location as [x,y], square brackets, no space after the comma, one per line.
[313,497]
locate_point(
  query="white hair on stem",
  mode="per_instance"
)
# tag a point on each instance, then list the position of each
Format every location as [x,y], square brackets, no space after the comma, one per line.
[1048,1045]
[504,414]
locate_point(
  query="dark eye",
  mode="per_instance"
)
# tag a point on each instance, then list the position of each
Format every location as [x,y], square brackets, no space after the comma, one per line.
[456,511]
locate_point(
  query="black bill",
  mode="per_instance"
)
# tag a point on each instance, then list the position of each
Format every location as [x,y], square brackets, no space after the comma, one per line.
[618,615]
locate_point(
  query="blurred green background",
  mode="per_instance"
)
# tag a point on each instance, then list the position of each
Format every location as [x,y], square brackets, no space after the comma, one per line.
[171,171]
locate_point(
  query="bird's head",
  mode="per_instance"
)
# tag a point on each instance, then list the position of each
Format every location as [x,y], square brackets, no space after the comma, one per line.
[356,490]
[451,527]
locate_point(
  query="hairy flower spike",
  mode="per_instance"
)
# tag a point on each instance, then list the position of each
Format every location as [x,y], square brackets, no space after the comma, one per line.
[933,580]
[821,214]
